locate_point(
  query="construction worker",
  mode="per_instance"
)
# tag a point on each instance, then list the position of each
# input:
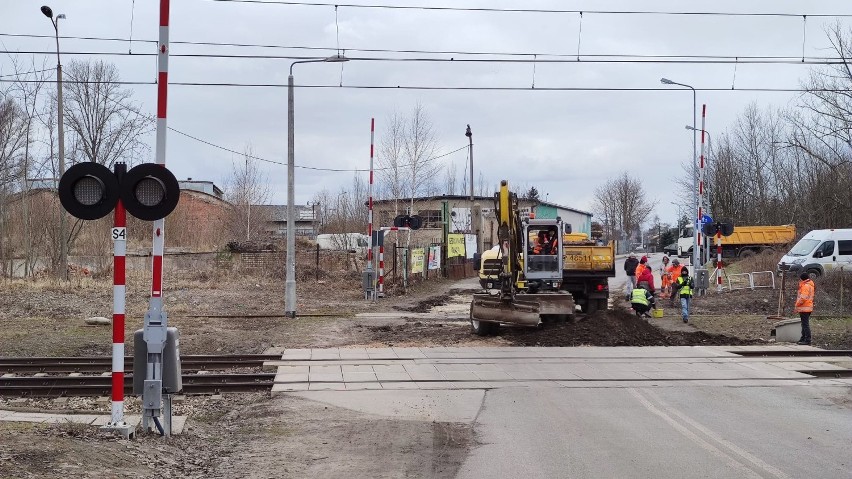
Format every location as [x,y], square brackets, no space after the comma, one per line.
[684,286]
[552,241]
[643,263]
[541,245]
[630,268]
[805,306]
[645,279]
[674,274]
[665,279]
[641,301]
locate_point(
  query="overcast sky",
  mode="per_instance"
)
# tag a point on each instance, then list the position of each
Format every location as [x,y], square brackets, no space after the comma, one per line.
[565,143]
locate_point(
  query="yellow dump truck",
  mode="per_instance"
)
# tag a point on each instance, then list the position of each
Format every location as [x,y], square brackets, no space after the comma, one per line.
[745,241]
[586,270]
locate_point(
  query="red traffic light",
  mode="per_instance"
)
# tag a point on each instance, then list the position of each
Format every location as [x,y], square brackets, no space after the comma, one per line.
[88,191]
[149,191]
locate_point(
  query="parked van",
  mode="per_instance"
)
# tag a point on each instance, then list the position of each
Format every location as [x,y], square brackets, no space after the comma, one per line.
[820,251]
[352,242]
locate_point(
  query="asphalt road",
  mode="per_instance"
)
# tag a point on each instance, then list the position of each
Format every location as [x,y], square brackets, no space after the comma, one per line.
[675,432]
[595,412]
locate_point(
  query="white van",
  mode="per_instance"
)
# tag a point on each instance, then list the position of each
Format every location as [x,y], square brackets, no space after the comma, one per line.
[820,251]
[352,242]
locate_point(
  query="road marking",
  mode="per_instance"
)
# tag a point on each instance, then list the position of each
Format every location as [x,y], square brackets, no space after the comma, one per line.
[724,442]
[730,460]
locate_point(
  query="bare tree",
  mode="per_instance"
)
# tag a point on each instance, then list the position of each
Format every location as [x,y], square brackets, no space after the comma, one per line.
[106,127]
[622,203]
[451,179]
[246,187]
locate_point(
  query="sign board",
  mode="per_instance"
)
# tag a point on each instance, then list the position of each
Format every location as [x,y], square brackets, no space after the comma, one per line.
[460,219]
[470,245]
[434,257]
[119,234]
[455,245]
[706,219]
[417,257]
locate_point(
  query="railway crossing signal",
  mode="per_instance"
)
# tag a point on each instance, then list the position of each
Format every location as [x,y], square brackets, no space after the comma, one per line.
[414,222]
[90,190]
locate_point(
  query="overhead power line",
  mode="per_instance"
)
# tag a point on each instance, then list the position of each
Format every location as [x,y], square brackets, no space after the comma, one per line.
[634,59]
[543,55]
[531,10]
[463,88]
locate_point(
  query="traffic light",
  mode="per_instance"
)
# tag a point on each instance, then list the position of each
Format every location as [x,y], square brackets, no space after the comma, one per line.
[414,222]
[90,190]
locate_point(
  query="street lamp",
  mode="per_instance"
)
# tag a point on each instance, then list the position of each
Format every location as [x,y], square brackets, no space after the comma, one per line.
[290,285]
[666,81]
[63,227]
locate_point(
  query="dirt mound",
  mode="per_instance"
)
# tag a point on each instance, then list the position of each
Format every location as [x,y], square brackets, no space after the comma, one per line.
[604,328]
[613,328]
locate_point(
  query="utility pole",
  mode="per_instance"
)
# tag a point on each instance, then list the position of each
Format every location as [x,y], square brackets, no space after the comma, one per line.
[63,222]
[476,209]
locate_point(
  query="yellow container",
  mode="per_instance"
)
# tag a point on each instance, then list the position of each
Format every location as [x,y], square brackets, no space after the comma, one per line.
[657,313]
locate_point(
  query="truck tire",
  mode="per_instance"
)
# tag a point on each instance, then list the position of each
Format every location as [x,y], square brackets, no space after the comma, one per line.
[603,304]
[814,273]
[745,253]
[591,306]
[484,328]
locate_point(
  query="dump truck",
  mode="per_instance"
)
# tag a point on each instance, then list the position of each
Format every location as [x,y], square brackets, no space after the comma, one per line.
[744,242]
[525,283]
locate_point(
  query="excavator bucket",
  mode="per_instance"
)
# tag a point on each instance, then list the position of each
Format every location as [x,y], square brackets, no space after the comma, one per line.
[492,308]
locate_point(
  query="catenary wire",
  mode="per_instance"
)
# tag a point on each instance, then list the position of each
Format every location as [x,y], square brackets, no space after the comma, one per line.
[530,10]
[533,58]
[437,52]
[470,88]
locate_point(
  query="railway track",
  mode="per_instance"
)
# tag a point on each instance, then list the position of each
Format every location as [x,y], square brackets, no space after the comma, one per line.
[90,376]
[100,364]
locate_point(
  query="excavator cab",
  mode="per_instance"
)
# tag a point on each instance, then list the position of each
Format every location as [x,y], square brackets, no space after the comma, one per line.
[543,264]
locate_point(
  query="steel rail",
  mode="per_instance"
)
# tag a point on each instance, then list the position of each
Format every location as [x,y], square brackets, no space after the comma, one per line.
[57,386]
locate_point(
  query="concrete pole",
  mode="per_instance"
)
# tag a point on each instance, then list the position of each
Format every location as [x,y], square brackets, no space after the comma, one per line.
[63,219]
[290,285]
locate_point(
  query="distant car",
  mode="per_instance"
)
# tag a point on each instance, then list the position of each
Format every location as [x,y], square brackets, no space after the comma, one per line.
[671,249]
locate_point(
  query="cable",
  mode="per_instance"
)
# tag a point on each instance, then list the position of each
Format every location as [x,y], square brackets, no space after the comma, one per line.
[462,88]
[527,10]
[533,60]
[27,73]
[583,57]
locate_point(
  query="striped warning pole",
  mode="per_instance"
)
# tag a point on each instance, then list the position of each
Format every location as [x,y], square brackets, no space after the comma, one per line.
[720,268]
[162,128]
[119,236]
[701,257]
[371,292]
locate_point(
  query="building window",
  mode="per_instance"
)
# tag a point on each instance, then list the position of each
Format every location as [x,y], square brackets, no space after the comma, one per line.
[431,218]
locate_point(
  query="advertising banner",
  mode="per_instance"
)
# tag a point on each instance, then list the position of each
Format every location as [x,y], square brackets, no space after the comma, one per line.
[455,245]
[434,257]
[470,245]
[417,255]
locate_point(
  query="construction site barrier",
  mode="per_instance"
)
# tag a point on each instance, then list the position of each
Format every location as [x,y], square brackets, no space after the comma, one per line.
[734,283]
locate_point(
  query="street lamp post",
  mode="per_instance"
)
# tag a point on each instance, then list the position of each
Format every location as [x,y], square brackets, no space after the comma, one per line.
[290,285]
[666,81]
[63,224]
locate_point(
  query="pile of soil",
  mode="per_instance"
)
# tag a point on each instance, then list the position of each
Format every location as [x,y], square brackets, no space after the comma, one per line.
[603,328]
[614,328]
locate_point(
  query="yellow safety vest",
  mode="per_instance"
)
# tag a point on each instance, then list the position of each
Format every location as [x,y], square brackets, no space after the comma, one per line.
[686,286]
[638,296]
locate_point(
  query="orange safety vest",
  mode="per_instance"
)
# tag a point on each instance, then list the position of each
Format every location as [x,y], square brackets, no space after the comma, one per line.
[805,300]
[639,268]
[665,279]
[539,247]
[674,272]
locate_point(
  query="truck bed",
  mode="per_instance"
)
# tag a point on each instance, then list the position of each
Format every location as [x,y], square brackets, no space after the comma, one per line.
[589,259]
[759,235]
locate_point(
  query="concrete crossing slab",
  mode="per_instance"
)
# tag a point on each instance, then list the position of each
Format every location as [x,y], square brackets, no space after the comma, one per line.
[497,367]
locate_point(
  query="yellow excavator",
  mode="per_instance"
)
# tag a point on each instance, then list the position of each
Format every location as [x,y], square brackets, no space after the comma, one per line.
[528,285]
